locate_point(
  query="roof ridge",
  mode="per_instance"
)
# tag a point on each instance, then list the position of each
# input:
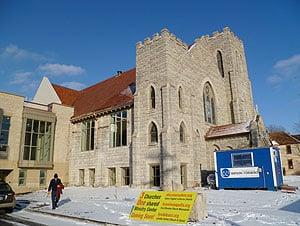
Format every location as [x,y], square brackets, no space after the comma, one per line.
[114,76]
[65,87]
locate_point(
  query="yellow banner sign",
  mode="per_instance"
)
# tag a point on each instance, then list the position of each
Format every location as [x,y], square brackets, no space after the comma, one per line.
[162,206]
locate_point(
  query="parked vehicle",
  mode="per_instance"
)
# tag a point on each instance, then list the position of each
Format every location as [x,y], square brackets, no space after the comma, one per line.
[7,197]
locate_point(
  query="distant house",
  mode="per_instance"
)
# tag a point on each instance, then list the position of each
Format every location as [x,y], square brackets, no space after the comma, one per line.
[290,151]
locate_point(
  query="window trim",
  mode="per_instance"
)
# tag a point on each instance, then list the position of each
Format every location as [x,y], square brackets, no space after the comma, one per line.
[88,134]
[152,175]
[244,153]
[288,149]
[114,127]
[182,133]
[220,63]
[4,153]
[112,176]
[49,136]
[290,166]
[24,178]
[152,97]
[45,177]
[180,101]
[153,125]
[125,177]
[209,99]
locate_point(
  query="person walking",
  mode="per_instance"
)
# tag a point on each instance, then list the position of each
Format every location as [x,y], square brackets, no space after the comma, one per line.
[55,186]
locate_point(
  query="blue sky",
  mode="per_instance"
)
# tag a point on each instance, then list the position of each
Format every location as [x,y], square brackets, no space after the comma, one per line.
[78,43]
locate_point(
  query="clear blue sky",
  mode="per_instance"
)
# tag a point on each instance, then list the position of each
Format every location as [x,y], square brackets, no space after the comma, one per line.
[78,43]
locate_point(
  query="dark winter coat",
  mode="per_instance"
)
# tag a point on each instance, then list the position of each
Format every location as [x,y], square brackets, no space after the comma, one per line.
[53,184]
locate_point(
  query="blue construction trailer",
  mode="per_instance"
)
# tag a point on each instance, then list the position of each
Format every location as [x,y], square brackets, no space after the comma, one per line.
[258,168]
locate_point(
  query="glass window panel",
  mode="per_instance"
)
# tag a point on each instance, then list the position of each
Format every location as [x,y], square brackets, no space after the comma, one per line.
[48,127]
[42,127]
[26,153]
[5,123]
[124,114]
[118,141]
[27,138]
[29,125]
[33,153]
[92,138]
[124,133]
[34,139]
[4,137]
[242,160]
[35,126]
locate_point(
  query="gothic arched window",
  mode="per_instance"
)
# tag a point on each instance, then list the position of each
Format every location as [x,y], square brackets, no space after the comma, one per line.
[220,63]
[152,97]
[180,97]
[208,102]
[182,133]
[153,133]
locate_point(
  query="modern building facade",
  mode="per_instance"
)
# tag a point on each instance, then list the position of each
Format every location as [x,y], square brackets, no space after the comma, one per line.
[28,156]
[159,123]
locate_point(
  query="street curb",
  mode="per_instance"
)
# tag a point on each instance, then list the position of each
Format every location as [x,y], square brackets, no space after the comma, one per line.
[74,218]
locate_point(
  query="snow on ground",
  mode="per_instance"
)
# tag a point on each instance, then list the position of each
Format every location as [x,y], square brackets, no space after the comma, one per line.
[225,207]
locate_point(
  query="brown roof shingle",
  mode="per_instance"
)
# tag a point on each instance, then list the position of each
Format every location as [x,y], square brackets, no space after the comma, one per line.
[66,95]
[283,138]
[109,94]
[229,129]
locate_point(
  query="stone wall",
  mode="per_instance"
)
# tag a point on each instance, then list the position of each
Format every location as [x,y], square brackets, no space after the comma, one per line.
[167,63]
[12,106]
[294,156]
[102,157]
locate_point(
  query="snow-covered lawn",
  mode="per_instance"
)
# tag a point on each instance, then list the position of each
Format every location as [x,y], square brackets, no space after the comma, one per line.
[225,207]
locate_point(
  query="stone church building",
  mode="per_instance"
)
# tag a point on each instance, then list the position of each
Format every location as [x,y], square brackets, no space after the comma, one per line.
[156,125]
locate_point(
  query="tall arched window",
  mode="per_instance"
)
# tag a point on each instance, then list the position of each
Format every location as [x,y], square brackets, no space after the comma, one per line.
[153,133]
[180,97]
[208,102]
[152,97]
[182,133]
[220,63]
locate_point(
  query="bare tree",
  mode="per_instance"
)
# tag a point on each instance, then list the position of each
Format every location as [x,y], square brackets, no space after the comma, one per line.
[276,128]
[297,126]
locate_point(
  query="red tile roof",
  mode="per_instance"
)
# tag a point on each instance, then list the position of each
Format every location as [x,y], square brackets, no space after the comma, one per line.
[66,95]
[106,95]
[283,138]
[229,129]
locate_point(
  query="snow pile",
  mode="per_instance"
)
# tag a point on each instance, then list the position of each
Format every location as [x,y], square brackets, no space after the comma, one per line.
[225,207]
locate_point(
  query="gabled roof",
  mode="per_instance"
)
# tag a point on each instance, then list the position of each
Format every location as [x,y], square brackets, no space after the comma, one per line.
[283,138]
[107,95]
[66,95]
[229,129]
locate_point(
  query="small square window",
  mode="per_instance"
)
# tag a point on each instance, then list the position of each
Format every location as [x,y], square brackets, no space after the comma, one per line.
[288,149]
[242,160]
[22,177]
[290,164]
[43,176]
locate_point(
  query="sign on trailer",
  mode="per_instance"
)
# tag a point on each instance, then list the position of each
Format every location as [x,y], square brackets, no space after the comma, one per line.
[162,206]
[243,172]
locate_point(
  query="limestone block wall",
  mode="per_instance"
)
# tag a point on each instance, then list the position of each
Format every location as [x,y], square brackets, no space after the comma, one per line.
[61,147]
[12,106]
[294,156]
[167,63]
[102,157]
[241,141]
